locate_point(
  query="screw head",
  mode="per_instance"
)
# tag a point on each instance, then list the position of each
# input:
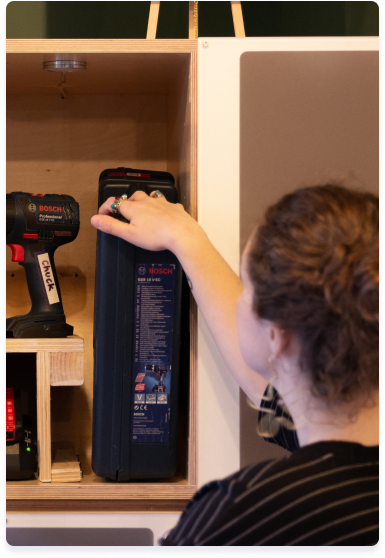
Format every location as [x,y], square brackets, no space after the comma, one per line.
[205,44]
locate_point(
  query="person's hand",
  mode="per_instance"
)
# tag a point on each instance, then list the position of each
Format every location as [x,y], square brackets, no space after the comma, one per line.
[155,224]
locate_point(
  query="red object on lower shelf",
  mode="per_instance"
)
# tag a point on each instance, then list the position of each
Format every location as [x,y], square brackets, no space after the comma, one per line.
[10,418]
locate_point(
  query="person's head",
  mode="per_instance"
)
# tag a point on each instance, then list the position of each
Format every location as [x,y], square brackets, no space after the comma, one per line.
[310,271]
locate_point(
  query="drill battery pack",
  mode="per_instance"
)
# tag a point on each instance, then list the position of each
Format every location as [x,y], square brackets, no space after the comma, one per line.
[136,345]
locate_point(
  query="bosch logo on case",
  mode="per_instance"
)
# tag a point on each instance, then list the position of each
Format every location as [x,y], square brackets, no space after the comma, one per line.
[31,207]
[51,208]
[161,271]
[142,270]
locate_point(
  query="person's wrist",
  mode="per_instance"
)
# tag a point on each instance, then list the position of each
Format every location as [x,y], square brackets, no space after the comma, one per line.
[187,238]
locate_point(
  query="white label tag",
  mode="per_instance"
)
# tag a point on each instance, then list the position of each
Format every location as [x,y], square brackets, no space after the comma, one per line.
[47,277]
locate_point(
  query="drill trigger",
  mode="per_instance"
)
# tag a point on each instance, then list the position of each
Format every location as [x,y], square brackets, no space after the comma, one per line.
[17,252]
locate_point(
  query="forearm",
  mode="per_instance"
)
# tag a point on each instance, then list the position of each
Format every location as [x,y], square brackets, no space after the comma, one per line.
[159,225]
[216,289]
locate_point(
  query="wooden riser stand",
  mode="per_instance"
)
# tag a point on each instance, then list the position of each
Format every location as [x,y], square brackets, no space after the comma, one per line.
[59,362]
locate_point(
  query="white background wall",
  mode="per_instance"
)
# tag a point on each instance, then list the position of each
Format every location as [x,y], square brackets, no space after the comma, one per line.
[218,213]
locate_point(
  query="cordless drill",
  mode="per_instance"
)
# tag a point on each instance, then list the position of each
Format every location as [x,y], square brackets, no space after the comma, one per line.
[36,226]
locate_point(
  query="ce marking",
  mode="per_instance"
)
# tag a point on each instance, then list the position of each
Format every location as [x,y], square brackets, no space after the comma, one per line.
[143,407]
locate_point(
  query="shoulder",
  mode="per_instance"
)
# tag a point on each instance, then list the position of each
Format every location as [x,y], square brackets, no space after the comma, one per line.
[223,509]
[216,503]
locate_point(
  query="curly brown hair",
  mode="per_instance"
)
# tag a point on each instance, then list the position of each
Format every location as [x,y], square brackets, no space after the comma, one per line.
[314,265]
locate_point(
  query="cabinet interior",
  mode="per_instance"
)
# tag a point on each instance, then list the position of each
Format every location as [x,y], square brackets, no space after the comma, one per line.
[126,109]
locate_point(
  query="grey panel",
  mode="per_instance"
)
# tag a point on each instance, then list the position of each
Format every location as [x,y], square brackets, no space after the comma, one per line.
[79,537]
[305,118]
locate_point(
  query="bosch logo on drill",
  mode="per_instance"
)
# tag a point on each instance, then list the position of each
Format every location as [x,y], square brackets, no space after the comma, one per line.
[161,271]
[47,278]
[50,208]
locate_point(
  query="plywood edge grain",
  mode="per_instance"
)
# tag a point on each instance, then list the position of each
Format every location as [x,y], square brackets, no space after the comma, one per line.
[72,46]
[43,390]
[193,443]
[96,506]
[67,368]
[68,344]
[194,136]
[100,491]
[193,20]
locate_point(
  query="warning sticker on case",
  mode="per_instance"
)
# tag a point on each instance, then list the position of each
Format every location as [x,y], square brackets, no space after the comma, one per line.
[154,306]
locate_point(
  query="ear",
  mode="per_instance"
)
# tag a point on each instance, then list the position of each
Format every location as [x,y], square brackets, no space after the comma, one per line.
[279,341]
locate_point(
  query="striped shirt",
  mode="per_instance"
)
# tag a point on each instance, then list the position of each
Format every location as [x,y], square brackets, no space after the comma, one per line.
[320,495]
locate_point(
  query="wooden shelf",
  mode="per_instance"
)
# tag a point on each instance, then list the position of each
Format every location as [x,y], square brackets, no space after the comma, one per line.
[66,357]
[136,104]
[65,345]
[70,46]
[95,494]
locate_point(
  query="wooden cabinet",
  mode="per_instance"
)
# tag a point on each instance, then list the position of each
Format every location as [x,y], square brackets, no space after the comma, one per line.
[134,106]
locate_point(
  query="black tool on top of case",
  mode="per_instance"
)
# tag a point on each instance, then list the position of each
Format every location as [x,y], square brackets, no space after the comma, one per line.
[136,345]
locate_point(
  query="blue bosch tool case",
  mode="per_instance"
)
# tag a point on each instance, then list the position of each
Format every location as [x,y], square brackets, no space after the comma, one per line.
[138,299]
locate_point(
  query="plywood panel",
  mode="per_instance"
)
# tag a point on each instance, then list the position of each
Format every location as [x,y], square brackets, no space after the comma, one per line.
[61,146]
[43,388]
[106,73]
[181,163]
[96,488]
[101,45]
[115,113]
[99,506]
[193,20]
[73,344]
[179,135]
